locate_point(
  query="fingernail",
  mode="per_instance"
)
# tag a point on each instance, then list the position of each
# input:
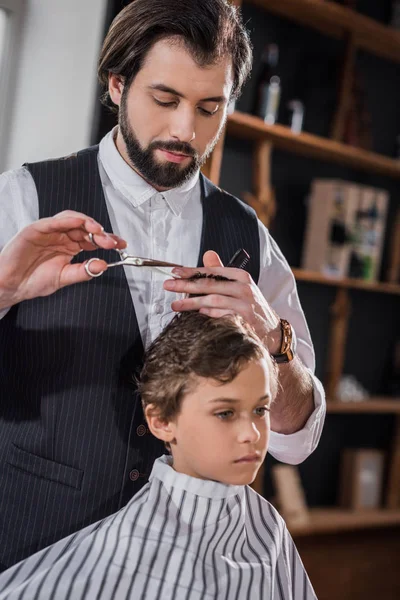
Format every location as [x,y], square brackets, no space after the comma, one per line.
[169,284]
[177,271]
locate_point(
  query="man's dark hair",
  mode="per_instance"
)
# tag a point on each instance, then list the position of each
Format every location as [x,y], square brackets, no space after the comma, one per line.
[209,29]
[196,346]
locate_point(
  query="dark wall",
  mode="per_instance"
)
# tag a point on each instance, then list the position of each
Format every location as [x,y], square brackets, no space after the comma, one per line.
[310,63]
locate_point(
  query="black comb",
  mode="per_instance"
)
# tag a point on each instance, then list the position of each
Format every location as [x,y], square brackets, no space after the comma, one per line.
[239,260]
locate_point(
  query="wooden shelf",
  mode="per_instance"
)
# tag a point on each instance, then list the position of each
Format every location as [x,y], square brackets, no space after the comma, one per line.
[373,405]
[338,21]
[315,277]
[335,520]
[247,126]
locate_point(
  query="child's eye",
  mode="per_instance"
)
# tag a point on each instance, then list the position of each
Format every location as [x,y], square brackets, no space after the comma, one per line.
[261,411]
[224,415]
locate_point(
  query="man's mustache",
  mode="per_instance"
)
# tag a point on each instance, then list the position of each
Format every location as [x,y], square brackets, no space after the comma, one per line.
[177,147]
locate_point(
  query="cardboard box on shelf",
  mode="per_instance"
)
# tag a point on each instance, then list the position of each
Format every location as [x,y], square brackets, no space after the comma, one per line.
[361,478]
[345,229]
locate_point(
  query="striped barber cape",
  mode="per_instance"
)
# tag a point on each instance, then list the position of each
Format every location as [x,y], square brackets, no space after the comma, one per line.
[179,538]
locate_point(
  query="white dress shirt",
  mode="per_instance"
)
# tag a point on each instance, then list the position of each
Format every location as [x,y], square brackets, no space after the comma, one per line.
[167,226]
[179,538]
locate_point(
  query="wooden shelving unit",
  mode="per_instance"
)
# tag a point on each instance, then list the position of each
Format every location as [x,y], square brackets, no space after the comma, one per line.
[340,22]
[252,128]
[339,571]
[332,520]
[348,283]
[372,406]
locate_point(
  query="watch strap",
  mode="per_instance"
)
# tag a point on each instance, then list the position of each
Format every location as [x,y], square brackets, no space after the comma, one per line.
[285,354]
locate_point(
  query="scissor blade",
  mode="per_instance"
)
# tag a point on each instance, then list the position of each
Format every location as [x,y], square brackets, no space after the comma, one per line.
[136,261]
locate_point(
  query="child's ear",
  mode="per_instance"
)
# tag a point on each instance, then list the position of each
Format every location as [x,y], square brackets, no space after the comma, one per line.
[161,429]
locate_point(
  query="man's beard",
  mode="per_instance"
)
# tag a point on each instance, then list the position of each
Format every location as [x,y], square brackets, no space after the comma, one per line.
[164,175]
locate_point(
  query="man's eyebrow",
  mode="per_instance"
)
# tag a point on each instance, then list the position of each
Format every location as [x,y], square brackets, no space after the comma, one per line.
[165,88]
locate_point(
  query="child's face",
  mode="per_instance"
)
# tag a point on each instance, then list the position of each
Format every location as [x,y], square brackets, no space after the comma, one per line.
[222,430]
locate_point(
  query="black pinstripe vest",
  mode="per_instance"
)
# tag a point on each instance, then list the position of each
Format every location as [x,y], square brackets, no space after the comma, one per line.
[73,443]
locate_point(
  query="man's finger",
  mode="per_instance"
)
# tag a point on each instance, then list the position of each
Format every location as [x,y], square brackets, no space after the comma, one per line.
[205,286]
[216,313]
[213,301]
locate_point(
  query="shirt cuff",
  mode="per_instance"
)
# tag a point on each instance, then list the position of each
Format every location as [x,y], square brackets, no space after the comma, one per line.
[296,447]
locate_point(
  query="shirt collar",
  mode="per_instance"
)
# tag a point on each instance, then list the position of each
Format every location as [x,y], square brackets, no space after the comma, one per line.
[133,187]
[162,470]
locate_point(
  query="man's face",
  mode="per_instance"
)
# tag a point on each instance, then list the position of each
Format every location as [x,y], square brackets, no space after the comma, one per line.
[172,114]
[222,430]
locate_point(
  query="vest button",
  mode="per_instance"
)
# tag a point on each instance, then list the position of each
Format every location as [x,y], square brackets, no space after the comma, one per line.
[158,309]
[141,430]
[134,475]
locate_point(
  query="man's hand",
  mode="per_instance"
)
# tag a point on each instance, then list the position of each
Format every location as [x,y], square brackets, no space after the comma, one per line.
[220,298]
[294,403]
[37,260]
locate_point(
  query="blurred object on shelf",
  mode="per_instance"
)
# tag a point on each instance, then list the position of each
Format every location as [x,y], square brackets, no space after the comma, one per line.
[328,230]
[268,86]
[351,390]
[361,478]
[345,229]
[289,494]
[368,234]
[296,109]
[393,275]
[395,20]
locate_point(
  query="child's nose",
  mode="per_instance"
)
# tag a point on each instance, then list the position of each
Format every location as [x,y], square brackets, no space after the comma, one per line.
[248,432]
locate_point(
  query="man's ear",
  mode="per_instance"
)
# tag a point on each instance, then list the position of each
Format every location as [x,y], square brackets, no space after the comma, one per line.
[161,429]
[115,88]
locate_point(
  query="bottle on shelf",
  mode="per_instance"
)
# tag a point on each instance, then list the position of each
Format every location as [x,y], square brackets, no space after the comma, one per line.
[296,110]
[268,86]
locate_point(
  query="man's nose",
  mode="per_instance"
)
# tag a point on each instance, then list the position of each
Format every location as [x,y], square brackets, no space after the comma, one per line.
[182,126]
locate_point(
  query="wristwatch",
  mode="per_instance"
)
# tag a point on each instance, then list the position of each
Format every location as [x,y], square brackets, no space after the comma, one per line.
[286,353]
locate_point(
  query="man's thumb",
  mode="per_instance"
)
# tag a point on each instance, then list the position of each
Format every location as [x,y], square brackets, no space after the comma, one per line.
[211,259]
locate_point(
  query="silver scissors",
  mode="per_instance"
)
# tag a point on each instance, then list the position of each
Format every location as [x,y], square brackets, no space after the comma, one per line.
[135,261]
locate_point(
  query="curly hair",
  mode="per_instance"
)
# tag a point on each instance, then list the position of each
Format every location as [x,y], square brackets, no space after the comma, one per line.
[209,29]
[195,345]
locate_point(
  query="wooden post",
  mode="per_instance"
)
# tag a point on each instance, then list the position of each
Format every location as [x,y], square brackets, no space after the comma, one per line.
[346,90]
[339,324]
[258,483]
[212,168]
[393,489]
[263,198]
[393,275]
